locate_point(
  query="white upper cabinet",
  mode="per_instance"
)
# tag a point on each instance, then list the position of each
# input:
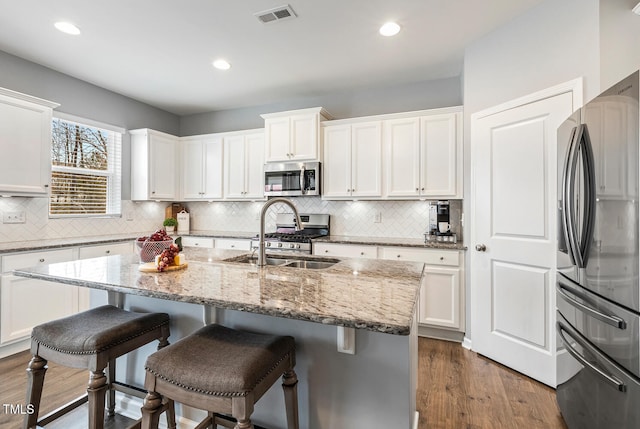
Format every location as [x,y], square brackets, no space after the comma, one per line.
[293,135]
[244,165]
[25,138]
[154,165]
[202,167]
[352,160]
[423,155]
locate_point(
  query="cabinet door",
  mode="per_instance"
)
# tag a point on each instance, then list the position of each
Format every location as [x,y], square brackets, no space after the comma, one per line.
[162,152]
[197,242]
[212,168]
[304,137]
[439,156]
[277,133]
[25,303]
[439,302]
[25,138]
[336,173]
[254,160]
[234,156]
[366,159]
[402,157]
[192,171]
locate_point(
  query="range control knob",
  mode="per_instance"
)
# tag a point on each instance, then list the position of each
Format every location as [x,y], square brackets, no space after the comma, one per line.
[268,244]
[279,244]
[292,246]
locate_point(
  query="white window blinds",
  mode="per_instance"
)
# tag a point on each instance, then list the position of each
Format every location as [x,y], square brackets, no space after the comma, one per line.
[86,172]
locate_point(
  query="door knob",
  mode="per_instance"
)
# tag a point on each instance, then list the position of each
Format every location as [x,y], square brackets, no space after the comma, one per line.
[481,247]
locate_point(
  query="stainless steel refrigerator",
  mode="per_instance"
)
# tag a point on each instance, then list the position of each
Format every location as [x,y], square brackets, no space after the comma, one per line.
[597,292]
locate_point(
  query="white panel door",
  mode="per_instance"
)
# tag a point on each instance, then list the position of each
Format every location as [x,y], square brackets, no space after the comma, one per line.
[402,157]
[234,167]
[513,218]
[439,155]
[254,174]
[163,153]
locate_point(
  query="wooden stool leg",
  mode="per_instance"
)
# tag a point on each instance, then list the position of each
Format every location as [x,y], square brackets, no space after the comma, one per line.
[171,414]
[151,410]
[111,398]
[241,409]
[290,387]
[35,372]
[96,390]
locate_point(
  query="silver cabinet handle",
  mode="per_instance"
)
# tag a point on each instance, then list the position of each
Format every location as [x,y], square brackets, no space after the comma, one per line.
[481,247]
[41,259]
[107,252]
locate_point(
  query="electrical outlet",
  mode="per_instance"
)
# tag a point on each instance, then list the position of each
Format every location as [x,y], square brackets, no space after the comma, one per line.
[14,217]
[377,218]
[129,216]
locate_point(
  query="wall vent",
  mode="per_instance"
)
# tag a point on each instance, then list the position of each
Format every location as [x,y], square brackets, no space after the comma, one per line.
[276,14]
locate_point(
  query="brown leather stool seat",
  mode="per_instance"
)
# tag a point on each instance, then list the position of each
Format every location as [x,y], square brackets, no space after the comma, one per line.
[220,370]
[93,340]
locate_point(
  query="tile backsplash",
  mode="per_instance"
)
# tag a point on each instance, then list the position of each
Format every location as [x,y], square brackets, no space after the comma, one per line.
[402,219]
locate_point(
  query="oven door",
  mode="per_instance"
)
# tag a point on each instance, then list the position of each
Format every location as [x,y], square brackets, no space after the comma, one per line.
[593,391]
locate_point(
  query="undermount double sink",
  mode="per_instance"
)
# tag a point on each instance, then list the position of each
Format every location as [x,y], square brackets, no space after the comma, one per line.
[286,261]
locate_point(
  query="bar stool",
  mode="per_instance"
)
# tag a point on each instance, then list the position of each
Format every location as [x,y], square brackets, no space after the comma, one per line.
[220,370]
[93,340]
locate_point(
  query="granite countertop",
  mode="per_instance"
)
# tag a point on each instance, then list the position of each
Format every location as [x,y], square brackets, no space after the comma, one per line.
[369,294]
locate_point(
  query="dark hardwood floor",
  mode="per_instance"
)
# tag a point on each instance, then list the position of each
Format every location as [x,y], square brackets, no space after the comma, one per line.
[457,389]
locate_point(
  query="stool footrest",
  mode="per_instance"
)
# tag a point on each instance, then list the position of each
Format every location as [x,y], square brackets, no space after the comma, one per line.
[55,414]
[128,389]
[223,420]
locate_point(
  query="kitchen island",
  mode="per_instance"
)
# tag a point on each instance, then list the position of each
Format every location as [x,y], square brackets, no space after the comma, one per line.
[373,388]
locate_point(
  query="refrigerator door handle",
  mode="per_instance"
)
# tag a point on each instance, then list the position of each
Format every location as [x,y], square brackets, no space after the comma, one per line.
[588,161]
[609,319]
[568,196]
[611,379]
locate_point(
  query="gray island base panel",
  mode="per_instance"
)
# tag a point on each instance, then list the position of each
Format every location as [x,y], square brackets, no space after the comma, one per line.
[373,388]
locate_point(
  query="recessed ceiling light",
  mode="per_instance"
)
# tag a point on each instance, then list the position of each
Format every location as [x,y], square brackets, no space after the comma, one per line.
[390,29]
[636,9]
[222,64]
[67,27]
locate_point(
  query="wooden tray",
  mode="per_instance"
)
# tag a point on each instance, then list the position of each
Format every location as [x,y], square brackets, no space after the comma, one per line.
[151,267]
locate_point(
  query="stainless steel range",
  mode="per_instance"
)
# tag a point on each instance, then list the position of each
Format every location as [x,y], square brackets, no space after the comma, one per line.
[286,238]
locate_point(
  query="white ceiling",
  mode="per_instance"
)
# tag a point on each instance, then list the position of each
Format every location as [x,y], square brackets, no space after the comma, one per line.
[160,51]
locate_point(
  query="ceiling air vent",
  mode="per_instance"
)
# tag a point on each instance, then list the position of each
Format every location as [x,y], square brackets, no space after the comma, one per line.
[276,14]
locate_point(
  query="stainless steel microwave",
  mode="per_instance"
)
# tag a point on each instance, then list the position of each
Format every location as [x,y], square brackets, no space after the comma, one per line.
[292,179]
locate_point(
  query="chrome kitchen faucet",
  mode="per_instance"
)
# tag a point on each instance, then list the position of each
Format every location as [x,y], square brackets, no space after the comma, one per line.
[261,248]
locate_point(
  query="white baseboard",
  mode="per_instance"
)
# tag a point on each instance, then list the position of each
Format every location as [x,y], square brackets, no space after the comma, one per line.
[129,406]
[466,343]
[416,417]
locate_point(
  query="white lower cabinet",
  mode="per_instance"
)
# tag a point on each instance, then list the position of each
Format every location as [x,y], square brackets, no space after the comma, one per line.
[25,303]
[441,302]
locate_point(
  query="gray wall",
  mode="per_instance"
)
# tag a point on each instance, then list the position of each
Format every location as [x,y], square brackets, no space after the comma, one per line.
[391,99]
[553,43]
[77,97]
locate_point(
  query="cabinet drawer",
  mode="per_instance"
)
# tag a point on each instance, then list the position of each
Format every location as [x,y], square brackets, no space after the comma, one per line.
[197,242]
[31,259]
[106,250]
[428,256]
[345,250]
[239,244]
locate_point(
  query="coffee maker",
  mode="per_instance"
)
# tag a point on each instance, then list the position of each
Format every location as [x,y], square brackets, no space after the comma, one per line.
[440,222]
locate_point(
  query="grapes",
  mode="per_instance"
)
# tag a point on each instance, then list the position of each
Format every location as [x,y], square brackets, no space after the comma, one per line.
[167,257]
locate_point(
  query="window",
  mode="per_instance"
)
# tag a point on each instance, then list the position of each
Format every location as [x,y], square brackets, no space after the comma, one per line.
[85,168]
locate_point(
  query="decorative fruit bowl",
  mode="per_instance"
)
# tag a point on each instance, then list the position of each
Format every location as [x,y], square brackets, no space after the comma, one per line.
[147,248]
